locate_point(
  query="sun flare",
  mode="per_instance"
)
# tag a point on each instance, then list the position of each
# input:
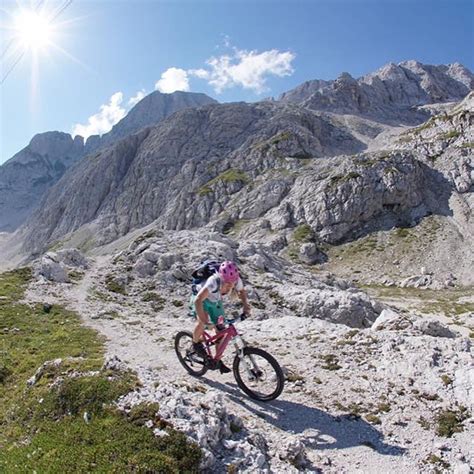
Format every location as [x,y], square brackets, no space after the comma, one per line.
[33,30]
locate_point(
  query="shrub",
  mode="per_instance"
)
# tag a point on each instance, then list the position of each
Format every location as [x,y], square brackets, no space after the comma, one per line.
[450,421]
[114,286]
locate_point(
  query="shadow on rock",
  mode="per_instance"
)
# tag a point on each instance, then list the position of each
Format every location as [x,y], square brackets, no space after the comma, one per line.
[320,430]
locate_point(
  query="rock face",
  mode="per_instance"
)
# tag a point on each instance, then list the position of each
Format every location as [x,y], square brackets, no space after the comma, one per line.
[31,172]
[26,177]
[149,111]
[186,169]
[387,94]
[269,169]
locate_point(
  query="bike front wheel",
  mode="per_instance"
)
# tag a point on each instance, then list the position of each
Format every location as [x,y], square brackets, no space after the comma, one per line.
[190,360]
[258,374]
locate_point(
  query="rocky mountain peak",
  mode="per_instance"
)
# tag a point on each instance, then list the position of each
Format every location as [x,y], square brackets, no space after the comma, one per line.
[149,111]
[55,144]
[389,95]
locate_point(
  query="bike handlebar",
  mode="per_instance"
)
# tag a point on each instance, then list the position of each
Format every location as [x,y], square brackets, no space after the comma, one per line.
[241,317]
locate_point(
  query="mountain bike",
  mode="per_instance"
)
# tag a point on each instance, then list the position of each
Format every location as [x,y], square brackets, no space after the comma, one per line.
[256,372]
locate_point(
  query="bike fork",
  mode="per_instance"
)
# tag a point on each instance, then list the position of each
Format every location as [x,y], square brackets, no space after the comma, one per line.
[240,346]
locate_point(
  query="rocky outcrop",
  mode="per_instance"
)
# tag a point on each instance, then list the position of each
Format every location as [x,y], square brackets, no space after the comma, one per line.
[55,267]
[185,170]
[390,94]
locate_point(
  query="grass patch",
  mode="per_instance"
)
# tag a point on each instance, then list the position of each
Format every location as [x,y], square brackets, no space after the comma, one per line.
[303,233]
[114,286]
[450,134]
[373,419]
[157,301]
[75,275]
[293,376]
[341,179]
[449,422]
[434,459]
[43,428]
[331,362]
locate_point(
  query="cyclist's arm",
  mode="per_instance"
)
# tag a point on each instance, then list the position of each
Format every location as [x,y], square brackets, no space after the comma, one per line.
[243,297]
[201,296]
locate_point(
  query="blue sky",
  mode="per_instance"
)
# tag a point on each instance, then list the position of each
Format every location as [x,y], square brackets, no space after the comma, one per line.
[124,47]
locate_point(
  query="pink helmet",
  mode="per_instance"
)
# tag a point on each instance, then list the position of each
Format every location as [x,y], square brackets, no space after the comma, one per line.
[229,272]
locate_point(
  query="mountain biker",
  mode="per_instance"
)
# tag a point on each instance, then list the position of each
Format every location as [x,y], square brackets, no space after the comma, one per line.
[208,303]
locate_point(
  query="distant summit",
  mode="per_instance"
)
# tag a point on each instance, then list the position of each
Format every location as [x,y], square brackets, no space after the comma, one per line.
[32,171]
[26,176]
[390,94]
[149,111]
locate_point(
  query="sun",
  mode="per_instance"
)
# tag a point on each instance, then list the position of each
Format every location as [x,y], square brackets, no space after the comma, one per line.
[33,30]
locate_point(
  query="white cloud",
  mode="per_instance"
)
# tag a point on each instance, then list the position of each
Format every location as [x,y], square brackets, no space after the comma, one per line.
[201,73]
[137,98]
[101,122]
[248,69]
[173,79]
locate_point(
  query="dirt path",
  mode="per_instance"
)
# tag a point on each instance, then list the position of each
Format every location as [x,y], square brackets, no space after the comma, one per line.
[143,339]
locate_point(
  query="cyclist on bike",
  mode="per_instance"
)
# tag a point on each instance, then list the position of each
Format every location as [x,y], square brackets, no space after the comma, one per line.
[208,303]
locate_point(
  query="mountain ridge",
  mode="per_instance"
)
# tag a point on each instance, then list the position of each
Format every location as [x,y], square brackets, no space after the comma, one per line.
[18,186]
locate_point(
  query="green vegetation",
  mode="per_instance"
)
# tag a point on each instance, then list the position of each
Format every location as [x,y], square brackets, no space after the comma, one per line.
[236,226]
[65,423]
[433,459]
[341,179]
[147,235]
[75,275]
[331,362]
[430,123]
[55,246]
[293,376]
[467,145]
[303,233]
[204,190]
[229,176]
[402,232]
[449,422]
[265,145]
[157,301]
[114,286]
[447,380]
[374,419]
[383,407]
[425,424]
[450,134]
[87,244]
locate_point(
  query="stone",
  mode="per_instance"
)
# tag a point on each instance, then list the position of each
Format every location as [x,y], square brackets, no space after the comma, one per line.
[52,270]
[432,327]
[392,321]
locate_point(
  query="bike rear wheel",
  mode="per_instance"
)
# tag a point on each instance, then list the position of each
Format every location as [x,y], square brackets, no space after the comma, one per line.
[189,359]
[259,375]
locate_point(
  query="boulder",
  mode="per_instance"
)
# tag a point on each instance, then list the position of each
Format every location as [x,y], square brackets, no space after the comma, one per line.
[392,321]
[144,268]
[49,268]
[432,327]
[310,254]
[417,281]
[72,258]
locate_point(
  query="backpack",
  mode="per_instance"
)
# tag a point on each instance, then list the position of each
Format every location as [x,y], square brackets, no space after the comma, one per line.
[206,269]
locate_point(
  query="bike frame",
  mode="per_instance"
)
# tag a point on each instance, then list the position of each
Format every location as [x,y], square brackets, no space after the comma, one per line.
[221,339]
